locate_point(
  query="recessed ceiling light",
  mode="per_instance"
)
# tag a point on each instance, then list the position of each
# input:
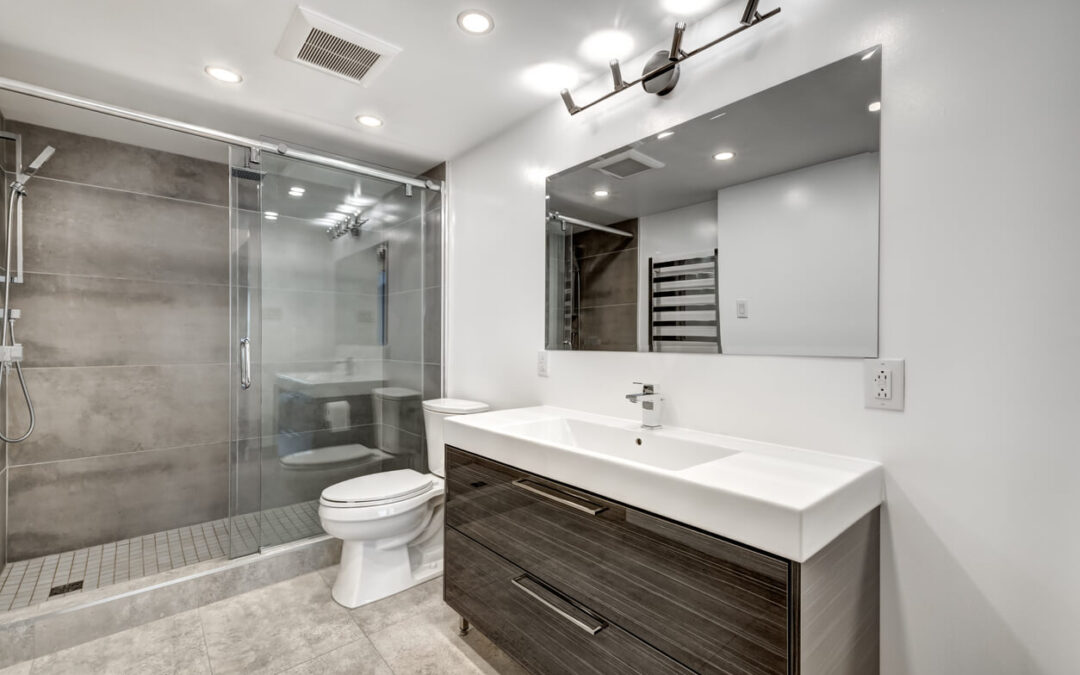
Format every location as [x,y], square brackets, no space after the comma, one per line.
[550,78]
[724,156]
[476,22]
[874,107]
[604,45]
[869,54]
[369,120]
[687,6]
[601,193]
[225,75]
[664,134]
[271,215]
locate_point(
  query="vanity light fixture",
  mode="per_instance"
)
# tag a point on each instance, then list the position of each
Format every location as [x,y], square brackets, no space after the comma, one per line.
[874,107]
[724,156]
[223,74]
[475,22]
[600,194]
[664,134]
[661,72]
[369,121]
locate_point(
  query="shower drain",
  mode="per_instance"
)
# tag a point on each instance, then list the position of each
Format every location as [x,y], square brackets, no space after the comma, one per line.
[65,588]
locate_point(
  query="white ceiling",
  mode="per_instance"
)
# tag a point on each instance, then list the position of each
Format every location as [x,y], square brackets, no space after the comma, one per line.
[444,93]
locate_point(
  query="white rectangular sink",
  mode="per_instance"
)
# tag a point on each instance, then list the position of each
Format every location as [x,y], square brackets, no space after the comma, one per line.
[783,500]
[652,449]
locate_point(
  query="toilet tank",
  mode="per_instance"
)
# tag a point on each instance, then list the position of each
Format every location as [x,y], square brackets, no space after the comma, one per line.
[435,411]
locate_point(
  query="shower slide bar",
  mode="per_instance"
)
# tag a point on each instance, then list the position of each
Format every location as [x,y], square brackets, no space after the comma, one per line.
[256,146]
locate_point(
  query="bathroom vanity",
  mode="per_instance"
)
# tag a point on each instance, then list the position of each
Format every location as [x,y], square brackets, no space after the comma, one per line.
[580,543]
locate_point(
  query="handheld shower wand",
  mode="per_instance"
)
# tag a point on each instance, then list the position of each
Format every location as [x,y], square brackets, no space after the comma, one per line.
[11,351]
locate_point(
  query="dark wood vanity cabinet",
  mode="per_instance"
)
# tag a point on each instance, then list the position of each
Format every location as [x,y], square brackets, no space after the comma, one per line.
[566,581]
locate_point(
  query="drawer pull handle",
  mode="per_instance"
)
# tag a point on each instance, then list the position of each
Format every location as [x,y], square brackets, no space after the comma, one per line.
[538,590]
[560,497]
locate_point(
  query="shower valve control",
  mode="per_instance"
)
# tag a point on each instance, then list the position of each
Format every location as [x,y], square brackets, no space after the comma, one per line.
[14,314]
[11,354]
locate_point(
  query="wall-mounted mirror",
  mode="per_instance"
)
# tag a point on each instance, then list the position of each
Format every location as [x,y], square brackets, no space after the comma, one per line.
[752,229]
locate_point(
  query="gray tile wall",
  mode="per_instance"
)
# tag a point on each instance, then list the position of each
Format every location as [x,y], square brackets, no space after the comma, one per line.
[125,325]
[3,398]
[607,316]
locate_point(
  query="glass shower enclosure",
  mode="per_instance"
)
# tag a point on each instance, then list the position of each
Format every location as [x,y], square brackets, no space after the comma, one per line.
[326,327]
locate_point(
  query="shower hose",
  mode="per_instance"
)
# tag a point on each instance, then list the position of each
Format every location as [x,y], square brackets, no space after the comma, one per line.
[8,322]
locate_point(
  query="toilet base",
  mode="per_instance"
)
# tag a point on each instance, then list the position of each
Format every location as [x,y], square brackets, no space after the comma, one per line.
[368,574]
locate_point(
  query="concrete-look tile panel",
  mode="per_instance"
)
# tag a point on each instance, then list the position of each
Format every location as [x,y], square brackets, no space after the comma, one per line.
[433,325]
[611,328]
[3,515]
[406,256]
[276,627]
[87,321]
[96,161]
[60,506]
[432,381]
[170,645]
[78,229]
[16,643]
[423,599]
[105,410]
[356,658]
[429,643]
[21,668]
[405,326]
[609,279]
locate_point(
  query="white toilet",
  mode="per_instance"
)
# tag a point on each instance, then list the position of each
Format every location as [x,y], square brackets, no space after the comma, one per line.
[391,523]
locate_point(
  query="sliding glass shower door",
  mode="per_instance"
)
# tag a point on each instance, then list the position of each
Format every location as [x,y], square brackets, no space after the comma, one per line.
[326,331]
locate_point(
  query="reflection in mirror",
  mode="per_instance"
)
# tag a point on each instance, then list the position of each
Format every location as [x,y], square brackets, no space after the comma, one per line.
[752,229]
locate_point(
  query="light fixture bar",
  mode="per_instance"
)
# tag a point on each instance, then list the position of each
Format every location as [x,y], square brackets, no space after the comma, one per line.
[676,42]
[674,61]
[750,14]
[616,75]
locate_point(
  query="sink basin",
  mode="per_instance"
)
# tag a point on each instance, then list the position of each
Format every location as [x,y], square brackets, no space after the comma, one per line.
[642,446]
[330,383]
[787,501]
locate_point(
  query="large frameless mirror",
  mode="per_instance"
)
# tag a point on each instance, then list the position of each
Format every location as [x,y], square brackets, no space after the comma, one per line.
[752,229]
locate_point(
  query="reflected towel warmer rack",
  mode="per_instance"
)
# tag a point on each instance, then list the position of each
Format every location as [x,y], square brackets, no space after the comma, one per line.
[694,281]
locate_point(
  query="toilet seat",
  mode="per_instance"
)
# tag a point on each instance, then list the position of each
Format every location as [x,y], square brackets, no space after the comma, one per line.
[377,489]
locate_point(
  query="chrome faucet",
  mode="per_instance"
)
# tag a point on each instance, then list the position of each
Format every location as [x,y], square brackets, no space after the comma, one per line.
[651,405]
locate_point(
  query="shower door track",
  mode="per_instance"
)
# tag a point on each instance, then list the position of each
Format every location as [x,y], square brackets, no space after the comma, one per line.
[256,146]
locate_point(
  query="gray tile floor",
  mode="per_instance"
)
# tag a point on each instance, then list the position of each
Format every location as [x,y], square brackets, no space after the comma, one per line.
[291,627]
[28,582]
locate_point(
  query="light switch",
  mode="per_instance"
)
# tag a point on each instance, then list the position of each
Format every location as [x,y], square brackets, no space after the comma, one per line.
[542,363]
[742,309]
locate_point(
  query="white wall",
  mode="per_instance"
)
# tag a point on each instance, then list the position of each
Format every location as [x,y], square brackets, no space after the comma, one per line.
[979,280]
[690,229]
[801,248]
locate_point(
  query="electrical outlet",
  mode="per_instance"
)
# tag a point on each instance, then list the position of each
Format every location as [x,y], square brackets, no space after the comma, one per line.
[542,363]
[884,383]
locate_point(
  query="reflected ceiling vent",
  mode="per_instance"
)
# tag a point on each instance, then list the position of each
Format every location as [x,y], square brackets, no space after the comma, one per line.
[626,164]
[320,42]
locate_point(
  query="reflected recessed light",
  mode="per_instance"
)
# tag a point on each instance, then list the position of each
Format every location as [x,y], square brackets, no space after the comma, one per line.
[687,6]
[476,22]
[224,75]
[271,215]
[716,117]
[325,222]
[296,191]
[869,54]
[874,107]
[359,201]
[347,209]
[601,193]
[724,156]
[664,134]
[550,78]
[547,196]
[369,120]
[337,217]
[604,45]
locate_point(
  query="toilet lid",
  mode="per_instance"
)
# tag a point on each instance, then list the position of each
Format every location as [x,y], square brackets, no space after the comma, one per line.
[378,487]
[455,406]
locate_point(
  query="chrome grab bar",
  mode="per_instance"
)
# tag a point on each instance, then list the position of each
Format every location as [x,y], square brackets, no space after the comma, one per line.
[554,495]
[245,363]
[536,588]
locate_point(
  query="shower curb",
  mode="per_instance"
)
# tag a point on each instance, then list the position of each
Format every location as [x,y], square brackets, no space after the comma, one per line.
[42,629]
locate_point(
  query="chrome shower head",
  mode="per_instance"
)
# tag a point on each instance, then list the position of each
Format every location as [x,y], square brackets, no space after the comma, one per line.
[35,165]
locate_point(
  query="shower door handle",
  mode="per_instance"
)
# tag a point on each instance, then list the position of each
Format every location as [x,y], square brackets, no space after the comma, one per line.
[245,363]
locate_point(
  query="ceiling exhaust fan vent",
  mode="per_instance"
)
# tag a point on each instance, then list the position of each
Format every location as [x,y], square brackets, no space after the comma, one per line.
[626,164]
[320,42]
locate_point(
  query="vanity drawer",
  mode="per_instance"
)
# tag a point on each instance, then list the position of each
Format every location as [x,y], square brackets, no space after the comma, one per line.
[543,631]
[711,604]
